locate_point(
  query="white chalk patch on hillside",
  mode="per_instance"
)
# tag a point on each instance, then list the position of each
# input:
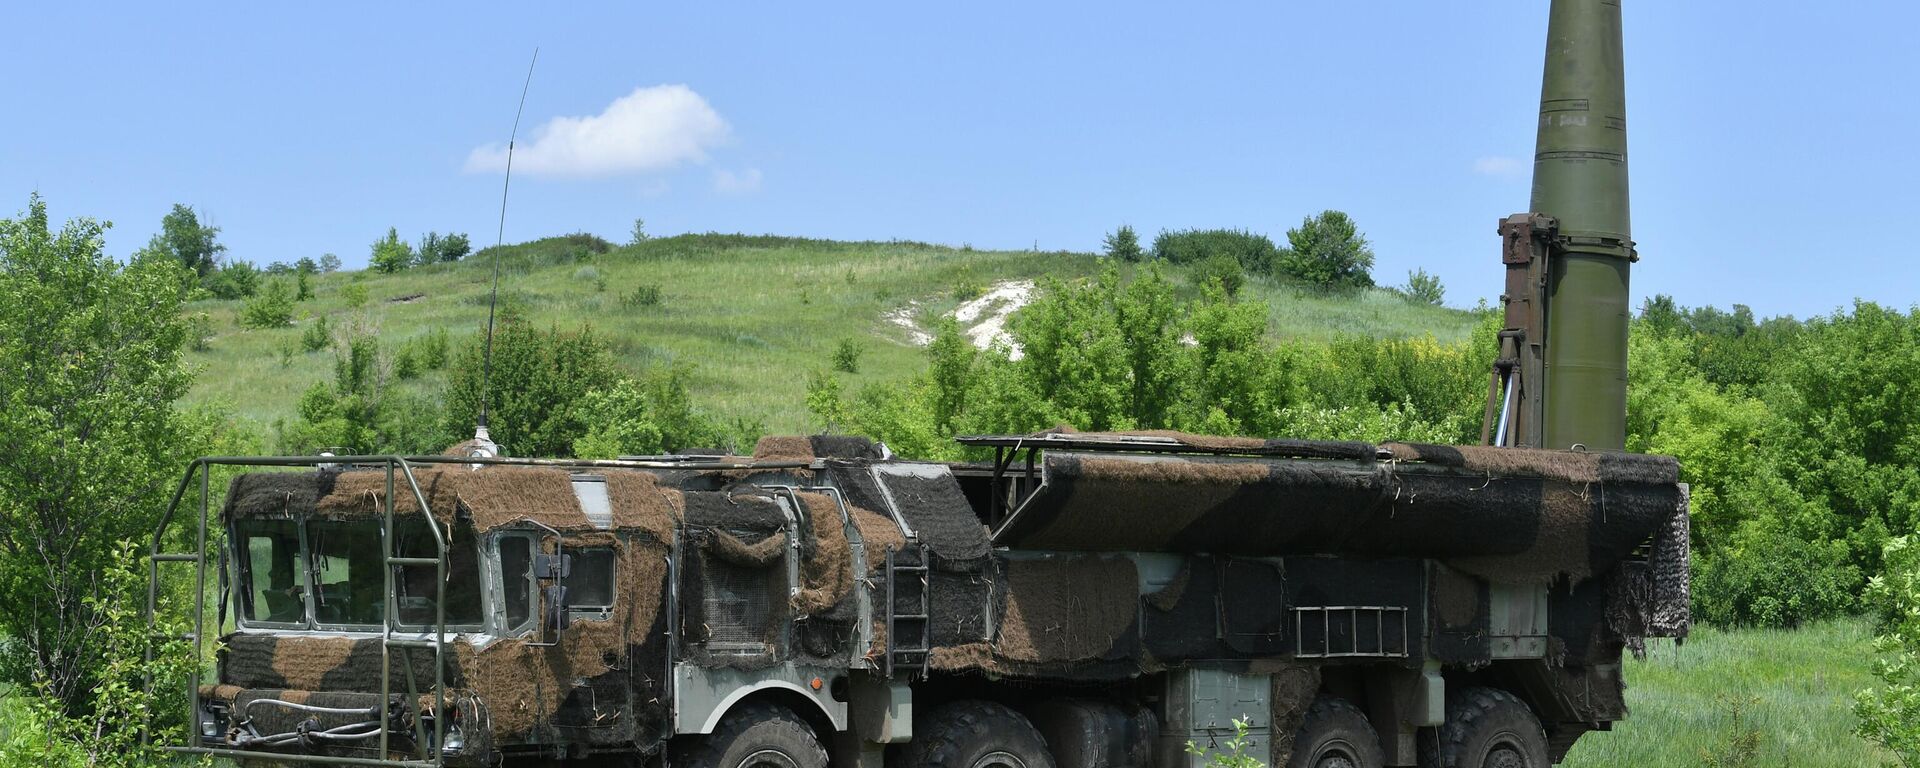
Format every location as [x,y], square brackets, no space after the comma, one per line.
[984,319]
[903,317]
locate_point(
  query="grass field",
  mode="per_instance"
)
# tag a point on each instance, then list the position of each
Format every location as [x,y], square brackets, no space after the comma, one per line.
[754,315]
[1800,684]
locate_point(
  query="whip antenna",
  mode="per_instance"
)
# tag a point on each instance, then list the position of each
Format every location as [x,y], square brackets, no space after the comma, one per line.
[484,445]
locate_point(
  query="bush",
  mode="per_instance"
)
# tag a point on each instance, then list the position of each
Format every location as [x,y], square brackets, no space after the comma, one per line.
[1221,271]
[406,363]
[318,336]
[1890,714]
[1255,253]
[642,295]
[846,356]
[236,280]
[1424,288]
[438,249]
[390,254]
[1328,251]
[1124,245]
[539,376]
[199,331]
[433,349]
[271,308]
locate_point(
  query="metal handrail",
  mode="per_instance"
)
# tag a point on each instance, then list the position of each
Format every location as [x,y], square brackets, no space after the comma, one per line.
[403,464]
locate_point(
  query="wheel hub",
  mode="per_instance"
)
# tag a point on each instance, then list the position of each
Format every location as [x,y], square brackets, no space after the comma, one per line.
[999,759]
[768,758]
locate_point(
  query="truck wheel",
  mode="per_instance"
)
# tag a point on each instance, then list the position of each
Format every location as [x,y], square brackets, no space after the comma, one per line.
[1486,728]
[756,736]
[976,734]
[1335,734]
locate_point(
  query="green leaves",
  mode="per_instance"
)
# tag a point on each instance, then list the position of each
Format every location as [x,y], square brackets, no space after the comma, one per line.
[89,435]
[1890,713]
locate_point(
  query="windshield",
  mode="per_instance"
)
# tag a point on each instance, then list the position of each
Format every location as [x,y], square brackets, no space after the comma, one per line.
[328,573]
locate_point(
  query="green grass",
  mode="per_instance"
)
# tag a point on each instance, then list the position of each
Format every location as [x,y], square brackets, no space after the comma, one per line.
[1803,680]
[754,315]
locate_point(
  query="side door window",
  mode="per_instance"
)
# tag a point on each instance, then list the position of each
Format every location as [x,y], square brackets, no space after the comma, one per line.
[516,582]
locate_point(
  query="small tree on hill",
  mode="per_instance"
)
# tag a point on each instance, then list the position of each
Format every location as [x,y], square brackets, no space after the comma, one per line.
[329,263]
[1425,288]
[271,307]
[185,240]
[390,253]
[639,231]
[1328,251]
[1124,245]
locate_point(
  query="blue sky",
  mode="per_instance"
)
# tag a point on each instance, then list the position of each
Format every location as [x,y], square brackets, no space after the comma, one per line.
[1769,140]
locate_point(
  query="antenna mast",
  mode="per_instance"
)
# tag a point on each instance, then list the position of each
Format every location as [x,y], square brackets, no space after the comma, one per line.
[483,442]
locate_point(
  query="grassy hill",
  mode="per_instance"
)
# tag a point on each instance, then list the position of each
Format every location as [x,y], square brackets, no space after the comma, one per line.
[754,315]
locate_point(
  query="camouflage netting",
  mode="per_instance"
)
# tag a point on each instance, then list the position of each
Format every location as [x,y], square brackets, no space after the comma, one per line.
[1058,613]
[494,497]
[1246,446]
[930,501]
[1505,514]
[806,448]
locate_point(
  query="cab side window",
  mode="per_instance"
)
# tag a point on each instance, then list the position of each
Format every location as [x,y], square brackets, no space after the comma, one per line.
[516,566]
[590,582]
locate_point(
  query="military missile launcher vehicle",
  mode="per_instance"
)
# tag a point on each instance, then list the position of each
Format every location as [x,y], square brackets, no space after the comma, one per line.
[1080,600]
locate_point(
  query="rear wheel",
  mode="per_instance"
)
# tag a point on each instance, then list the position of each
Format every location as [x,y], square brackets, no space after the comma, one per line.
[756,736]
[1336,734]
[976,734]
[1486,728]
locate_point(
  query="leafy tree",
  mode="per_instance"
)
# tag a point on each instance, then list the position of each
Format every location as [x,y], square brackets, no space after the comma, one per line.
[639,231]
[1256,253]
[1124,245]
[90,368]
[329,263]
[306,266]
[950,365]
[390,254]
[1890,713]
[1073,353]
[539,377]
[317,336]
[235,280]
[304,289]
[653,414]
[271,307]
[1425,288]
[438,249]
[1328,251]
[186,241]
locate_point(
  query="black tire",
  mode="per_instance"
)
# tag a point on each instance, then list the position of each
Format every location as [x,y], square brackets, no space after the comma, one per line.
[976,734]
[756,735]
[1486,728]
[1336,734]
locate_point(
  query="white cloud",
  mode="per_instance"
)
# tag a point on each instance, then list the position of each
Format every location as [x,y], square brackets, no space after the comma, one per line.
[729,183]
[1499,167]
[652,129]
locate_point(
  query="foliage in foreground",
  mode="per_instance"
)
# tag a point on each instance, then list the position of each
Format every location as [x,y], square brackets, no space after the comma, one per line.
[89,372]
[1890,712]
[101,726]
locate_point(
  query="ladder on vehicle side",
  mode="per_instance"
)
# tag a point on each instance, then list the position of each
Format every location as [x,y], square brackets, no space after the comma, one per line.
[909,633]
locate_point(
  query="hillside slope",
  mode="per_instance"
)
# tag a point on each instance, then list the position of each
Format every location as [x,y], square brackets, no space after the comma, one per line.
[753,315]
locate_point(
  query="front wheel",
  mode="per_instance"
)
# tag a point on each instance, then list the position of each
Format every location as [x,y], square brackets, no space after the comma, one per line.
[976,734]
[756,736]
[1486,728]
[1336,734]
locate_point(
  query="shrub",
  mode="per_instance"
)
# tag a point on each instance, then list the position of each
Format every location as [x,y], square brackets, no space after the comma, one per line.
[303,289]
[846,356]
[271,308]
[390,253]
[1221,271]
[318,336]
[199,331]
[1328,251]
[355,294]
[235,280]
[642,295]
[406,363]
[1890,714]
[1124,245]
[1424,288]
[433,349]
[1739,745]
[329,263]
[1255,253]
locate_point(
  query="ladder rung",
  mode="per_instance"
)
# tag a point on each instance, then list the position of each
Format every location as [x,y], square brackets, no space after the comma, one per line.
[910,617]
[172,558]
[413,561]
[408,642]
